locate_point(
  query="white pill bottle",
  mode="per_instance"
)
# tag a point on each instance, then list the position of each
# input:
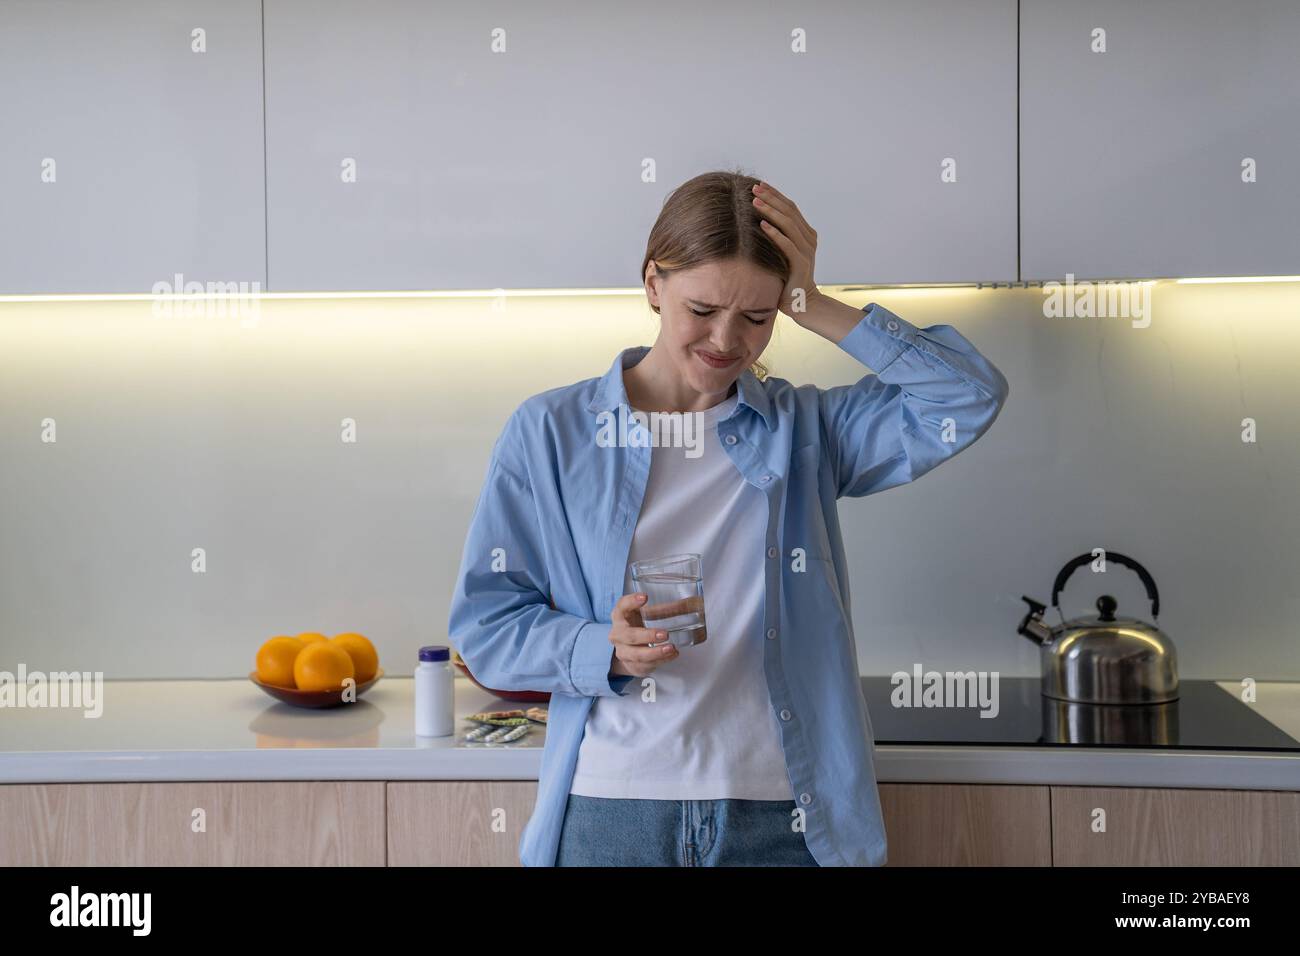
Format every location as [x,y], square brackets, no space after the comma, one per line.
[435,695]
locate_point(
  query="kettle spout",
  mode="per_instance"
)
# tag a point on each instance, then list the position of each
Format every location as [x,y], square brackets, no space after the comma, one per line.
[1032,625]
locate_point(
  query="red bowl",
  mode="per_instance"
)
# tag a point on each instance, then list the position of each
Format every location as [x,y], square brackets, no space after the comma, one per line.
[523,696]
[312,698]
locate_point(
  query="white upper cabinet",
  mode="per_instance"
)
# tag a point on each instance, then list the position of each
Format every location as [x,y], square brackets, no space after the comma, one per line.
[415,145]
[132,145]
[1173,152]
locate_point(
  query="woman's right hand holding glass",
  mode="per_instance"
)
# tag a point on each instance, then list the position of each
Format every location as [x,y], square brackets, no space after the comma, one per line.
[633,655]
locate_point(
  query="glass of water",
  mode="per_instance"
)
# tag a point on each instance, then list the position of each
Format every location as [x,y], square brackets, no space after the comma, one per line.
[674,589]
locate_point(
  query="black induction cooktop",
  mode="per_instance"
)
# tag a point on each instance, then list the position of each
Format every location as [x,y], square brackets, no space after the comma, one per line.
[1205,717]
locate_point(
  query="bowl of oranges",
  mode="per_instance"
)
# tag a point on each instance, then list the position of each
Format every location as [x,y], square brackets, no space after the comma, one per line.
[312,670]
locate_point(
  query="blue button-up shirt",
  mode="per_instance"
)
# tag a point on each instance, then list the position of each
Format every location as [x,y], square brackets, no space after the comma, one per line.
[544,559]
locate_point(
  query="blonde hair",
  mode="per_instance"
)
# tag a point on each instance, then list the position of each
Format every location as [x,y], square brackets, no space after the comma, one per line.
[709,218]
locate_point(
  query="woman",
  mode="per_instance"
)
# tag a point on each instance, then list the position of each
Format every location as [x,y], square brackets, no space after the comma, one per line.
[753,747]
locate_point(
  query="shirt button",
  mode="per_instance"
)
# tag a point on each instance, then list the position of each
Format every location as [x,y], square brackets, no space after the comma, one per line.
[786,715]
[771,552]
[805,798]
[891,325]
[771,633]
[765,479]
[730,439]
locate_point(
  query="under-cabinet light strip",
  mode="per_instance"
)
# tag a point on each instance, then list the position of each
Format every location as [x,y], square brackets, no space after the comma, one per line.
[531,293]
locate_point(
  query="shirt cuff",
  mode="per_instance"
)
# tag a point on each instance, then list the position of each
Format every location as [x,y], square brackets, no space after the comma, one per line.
[593,655]
[879,338]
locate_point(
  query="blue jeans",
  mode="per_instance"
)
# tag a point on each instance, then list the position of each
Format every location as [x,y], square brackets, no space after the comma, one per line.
[600,831]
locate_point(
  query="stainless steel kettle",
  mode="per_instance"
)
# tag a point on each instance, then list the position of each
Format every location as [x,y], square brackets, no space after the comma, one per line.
[1103,659]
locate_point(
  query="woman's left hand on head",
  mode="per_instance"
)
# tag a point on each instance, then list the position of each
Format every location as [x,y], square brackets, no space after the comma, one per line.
[786,226]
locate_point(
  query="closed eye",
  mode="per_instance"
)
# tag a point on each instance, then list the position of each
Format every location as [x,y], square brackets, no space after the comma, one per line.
[706,312]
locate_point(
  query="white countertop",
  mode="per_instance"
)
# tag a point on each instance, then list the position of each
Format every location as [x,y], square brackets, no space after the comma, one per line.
[230,730]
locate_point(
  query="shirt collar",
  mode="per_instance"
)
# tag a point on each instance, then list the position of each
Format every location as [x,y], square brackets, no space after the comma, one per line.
[611,393]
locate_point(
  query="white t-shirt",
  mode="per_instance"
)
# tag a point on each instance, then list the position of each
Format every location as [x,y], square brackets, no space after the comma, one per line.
[710,731]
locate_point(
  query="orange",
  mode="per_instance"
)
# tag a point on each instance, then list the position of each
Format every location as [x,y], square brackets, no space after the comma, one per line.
[311,637]
[322,666]
[275,660]
[364,656]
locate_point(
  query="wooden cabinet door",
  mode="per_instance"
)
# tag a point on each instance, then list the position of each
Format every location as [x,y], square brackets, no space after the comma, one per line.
[458,822]
[280,823]
[966,825]
[1145,827]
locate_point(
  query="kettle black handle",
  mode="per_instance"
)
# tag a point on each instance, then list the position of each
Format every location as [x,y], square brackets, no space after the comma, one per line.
[1148,581]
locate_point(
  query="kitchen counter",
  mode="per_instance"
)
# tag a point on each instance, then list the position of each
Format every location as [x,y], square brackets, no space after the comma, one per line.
[229,730]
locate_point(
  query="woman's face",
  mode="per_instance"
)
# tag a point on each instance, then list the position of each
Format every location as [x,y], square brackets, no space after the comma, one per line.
[716,319]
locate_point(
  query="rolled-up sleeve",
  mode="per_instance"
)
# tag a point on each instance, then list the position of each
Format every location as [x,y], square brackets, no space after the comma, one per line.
[501,619]
[932,395]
